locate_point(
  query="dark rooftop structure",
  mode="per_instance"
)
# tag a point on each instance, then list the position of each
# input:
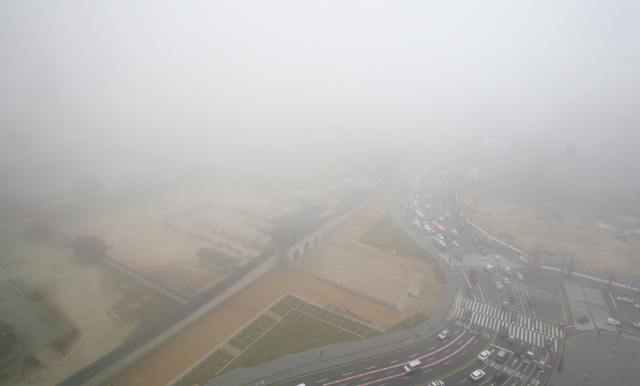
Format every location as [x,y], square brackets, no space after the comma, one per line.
[294,226]
[89,244]
[215,259]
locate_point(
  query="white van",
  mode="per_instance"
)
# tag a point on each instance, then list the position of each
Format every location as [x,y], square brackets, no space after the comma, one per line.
[412,366]
[489,268]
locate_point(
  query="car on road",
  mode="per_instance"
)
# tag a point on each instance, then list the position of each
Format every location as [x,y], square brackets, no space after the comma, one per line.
[548,344]
[519,275]
[519,349]
[438,235]
[447,215]
[637,306]
[416,222]
[636,325]
[475,330]
[506,280]
[542,363]
[455,243]
[481,250]
[504,306]
[514,317]
[504,330]
[444,334]
[507,270]
[483,356]
[441,218]
[511,338]
[582,319]
[477,374]
[624,299]
[499,376]
[612,322]
[412,366]
[499,285]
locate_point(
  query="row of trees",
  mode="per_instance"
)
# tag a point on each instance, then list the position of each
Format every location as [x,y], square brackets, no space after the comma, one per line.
[571,261]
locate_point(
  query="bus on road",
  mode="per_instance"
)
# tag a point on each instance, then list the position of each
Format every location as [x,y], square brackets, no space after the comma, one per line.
[440,243]
[438,227]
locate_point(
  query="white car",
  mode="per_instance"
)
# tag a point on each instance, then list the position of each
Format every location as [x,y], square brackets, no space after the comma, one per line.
[477,375]
[447,215]
[441,218]
[507,281]
[612,322]
[624,299]
[519,275]
[440,236]
[484,355]
[455,243]
[499,285]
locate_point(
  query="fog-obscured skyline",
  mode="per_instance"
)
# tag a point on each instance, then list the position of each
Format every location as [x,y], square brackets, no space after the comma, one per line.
[202,80]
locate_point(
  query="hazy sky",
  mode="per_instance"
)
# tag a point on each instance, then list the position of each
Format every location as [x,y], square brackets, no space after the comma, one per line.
[193,75]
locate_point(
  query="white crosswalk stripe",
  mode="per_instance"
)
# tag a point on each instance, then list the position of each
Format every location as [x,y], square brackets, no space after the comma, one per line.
[588,302]
[578,306]
[598,307]
[491,317]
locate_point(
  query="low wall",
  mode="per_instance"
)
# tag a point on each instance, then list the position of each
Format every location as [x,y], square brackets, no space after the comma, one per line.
[141,279]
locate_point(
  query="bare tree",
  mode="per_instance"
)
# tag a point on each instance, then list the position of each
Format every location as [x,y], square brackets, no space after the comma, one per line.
[612,275]
[571,260]
[537,250]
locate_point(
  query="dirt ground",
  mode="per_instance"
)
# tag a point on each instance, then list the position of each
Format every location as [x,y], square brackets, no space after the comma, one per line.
[168,361]
[160,237]
[103,307]
[560,228]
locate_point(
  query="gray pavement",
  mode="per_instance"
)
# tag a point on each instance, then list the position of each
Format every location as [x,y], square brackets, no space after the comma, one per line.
[301,363]
[585,353]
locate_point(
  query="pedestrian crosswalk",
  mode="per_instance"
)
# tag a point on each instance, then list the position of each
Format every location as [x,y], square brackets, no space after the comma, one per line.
[491,317]
[598,307]
[586,301]
[478,260]
[578,306]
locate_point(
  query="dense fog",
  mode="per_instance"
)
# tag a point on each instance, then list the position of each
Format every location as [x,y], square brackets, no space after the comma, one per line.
[87,87]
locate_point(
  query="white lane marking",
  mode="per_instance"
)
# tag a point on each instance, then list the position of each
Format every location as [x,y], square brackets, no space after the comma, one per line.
[321,381]
[614,302]
[372,367]
[391,362]
[413,355]
[364,379]
[432,348]
[344,375]
[446,362]
[389,372]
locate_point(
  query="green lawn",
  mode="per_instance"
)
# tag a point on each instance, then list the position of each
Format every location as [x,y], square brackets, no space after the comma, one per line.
[384,235]
[297,333]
